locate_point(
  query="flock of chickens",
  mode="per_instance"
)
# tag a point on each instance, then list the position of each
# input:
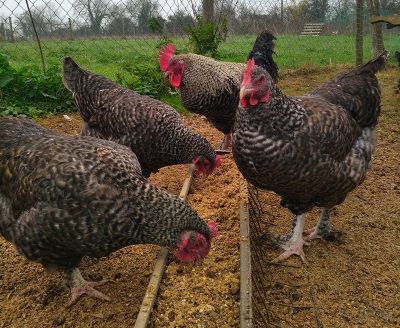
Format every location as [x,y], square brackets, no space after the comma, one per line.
[64,197]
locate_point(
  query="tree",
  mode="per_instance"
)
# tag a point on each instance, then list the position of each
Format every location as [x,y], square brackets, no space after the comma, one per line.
[44,19]
[95,10]
[179,22]
[147,9]
[317,10]
[121,25]
[141,11]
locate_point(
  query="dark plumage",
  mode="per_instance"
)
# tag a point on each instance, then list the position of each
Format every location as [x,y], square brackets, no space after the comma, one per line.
[153,130]
[64,197]
[206,86]
[312,150]
[262,53]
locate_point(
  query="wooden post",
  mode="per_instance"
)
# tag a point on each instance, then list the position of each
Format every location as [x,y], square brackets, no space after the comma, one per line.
[2,31]
[11,30]
[375,29]
[208,11]
[70,28]
[359,31]
[123,27]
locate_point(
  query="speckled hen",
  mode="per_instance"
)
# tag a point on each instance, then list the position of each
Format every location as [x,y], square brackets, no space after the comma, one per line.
[153,130]
[312,150]
[206,86]
[64,197]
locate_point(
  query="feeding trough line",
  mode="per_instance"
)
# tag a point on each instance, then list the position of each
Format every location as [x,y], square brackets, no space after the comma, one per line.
[150,296]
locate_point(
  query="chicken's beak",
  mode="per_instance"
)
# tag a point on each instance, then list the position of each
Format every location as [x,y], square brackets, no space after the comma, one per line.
[244,92]
[166,74]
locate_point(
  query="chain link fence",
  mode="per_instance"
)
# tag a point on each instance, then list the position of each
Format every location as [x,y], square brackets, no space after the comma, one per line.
[141,23]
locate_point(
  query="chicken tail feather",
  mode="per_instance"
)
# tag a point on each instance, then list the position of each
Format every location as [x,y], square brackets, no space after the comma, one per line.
[71,73]
[262,52]
[377,64]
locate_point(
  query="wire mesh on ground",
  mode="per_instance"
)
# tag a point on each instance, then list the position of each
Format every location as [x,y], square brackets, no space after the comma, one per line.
[269,310]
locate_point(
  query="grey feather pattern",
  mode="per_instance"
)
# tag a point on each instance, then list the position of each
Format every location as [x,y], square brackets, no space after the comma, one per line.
[153,130]
[211,88]
[64,197]
[312,150]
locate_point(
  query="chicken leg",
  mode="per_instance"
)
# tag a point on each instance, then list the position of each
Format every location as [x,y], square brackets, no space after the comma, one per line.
[322,230]
[80,286]
[294,245]
[226,142]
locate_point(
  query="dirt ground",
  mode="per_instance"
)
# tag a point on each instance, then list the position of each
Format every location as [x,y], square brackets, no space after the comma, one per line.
[353,284]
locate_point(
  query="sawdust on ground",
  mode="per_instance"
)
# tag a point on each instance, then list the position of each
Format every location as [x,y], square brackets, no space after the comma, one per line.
[353,284]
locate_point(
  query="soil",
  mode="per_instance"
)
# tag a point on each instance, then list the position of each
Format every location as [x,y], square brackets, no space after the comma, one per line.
[352,284]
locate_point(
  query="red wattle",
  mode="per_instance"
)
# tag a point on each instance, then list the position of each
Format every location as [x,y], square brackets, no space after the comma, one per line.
[175,80]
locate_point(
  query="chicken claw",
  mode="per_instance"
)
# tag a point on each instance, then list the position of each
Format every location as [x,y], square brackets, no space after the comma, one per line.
[294,246]
[80,286]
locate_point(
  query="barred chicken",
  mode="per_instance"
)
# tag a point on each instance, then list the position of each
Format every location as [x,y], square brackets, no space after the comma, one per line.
[153,130]
[206,86]
[64,197]
[312,150]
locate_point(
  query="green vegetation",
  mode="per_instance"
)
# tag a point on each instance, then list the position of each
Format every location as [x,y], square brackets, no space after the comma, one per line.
[133,63]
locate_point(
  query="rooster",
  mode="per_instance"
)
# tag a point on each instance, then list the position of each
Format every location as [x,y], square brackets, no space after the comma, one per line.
[206,86]
[64,197]
[312,150]
[153,130]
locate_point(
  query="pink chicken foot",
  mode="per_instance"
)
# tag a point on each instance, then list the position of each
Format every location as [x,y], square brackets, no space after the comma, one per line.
[79,286]
[294,244]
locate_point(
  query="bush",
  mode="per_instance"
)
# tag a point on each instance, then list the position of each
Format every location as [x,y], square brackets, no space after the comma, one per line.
[205,37]
[30,92]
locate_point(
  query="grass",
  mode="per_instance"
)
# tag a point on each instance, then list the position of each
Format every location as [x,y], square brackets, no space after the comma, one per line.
[133,63]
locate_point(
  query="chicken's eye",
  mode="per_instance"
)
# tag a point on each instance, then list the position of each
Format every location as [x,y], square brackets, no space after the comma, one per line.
[261,79]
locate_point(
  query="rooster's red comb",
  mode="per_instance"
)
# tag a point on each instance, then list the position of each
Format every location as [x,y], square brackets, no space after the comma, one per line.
[247,71]
[165,55]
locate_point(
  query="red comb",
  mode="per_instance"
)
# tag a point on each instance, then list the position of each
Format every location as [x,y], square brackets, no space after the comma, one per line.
[212,225]
[165,55]
[247,71]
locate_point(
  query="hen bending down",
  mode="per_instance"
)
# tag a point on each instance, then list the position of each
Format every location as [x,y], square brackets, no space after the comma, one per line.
[153,130]
[206,86]
[64,197]
[312,150]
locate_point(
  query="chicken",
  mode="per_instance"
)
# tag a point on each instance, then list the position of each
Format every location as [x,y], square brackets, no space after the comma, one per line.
[312,150]
[206,86]
[153,130]
[64,197]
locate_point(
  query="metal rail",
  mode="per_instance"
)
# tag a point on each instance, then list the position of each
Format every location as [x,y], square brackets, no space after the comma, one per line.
[149,299]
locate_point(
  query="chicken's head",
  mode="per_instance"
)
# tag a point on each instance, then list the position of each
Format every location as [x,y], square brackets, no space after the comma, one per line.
[205,166]
[173,68]
[256,85]
[195,246]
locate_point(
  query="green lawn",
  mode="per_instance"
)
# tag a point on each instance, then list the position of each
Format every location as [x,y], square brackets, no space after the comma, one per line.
[133,62]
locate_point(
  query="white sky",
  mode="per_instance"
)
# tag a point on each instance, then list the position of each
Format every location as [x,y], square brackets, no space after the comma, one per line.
[167,7]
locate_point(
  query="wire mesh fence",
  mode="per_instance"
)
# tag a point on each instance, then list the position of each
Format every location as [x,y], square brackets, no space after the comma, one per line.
[142,23]
[277,295]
